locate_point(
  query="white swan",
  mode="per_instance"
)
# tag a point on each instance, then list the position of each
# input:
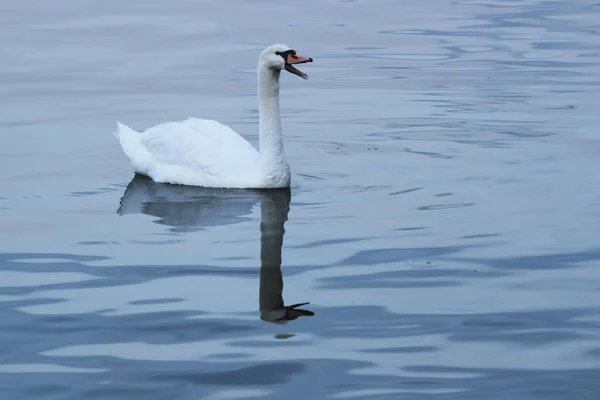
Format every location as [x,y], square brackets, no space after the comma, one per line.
[202,152]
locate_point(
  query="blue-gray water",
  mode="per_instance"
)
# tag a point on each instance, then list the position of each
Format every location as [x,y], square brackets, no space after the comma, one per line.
[443,219]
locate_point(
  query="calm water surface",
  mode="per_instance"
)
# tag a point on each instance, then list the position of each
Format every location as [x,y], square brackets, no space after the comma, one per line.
[443,219]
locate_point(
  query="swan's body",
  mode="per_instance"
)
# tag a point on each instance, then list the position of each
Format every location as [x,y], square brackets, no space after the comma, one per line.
[200,152]
[194,152]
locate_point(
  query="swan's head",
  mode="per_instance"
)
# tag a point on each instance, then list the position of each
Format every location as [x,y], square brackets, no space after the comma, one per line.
[280,56]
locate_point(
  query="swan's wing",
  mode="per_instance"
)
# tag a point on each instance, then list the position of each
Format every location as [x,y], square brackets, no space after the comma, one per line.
[199,145]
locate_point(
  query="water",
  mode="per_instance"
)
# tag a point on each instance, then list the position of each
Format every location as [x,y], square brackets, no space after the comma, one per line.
[443,219]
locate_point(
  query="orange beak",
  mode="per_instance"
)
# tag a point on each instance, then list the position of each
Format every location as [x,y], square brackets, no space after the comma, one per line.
[292,59]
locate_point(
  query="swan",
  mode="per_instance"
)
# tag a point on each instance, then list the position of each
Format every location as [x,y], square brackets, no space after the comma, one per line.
[203,152]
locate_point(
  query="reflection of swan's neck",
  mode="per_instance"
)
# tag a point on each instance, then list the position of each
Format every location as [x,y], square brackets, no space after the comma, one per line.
[270,134]
[274,214]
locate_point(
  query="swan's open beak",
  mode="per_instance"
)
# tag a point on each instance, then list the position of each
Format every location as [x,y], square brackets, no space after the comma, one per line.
[294,59]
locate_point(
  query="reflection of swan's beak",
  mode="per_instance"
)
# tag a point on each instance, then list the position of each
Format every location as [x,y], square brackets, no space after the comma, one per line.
[291,59]
[291,313]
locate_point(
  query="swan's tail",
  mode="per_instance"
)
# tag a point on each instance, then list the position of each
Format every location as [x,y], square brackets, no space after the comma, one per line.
[132,145]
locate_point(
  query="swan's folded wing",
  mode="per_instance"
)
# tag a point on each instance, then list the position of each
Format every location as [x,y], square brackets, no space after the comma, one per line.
[200,145]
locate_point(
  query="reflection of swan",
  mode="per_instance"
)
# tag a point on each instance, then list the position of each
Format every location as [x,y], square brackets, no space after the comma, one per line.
[202,152]
[186,208]
[274,208]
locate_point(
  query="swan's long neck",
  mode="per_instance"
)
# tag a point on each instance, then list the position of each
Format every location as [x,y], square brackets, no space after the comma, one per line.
[270,135]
